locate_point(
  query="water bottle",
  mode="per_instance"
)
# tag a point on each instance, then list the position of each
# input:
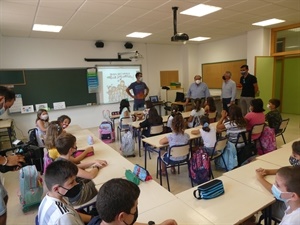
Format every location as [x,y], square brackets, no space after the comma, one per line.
[90,140]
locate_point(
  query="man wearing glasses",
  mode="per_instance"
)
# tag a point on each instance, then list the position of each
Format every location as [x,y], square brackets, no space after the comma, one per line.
[249,88]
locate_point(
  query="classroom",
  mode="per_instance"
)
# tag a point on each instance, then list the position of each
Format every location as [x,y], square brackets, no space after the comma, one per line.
[30,50]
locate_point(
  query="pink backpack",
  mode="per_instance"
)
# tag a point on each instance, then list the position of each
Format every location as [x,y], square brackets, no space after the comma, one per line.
[268,141]
[47,161]
[106,132]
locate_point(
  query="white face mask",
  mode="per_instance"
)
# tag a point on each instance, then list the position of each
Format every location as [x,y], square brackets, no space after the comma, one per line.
[2,110]
[198,81]
[141,79]
[268,106]
[44,117]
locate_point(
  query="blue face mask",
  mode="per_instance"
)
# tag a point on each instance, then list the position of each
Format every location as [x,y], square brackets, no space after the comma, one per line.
[277,193]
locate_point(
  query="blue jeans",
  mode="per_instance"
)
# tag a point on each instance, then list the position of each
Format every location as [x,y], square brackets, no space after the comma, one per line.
[138,105]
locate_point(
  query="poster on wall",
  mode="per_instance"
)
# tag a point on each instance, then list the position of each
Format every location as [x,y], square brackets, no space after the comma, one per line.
[114,82]
[92,80]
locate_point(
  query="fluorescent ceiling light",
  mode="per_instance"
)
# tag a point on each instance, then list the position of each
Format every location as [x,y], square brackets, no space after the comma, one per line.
[295,29]
[200,10]
[46,28]
[138,35]
[199,39]
[268,22]
[293,46]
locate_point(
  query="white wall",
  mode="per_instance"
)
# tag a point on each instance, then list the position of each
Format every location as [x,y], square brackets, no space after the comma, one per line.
[30,53]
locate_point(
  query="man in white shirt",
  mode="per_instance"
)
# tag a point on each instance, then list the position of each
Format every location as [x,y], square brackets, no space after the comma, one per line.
[228,90]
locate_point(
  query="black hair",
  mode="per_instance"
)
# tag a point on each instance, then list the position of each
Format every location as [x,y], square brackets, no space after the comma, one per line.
[275,102]
[211,104]
[115,196]
[62,118]
[154,117]
[197,104]
[245,66]
[137,74]
[66,170]
[124,104]
[64,142]
[296,147]
[257,104]
[7,93]
[203,120]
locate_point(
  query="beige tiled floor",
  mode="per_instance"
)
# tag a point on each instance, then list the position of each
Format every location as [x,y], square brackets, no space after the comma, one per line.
[178,182]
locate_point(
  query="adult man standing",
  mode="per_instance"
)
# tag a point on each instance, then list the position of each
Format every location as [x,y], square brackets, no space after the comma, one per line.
[228,90]
[249,88]
[140,91]
[198,89]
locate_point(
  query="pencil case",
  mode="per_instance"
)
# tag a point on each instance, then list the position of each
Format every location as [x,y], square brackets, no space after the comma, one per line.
[209,190]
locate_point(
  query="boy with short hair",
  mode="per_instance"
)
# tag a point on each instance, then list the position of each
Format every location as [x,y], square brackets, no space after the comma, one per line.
[60,179]
[287,189]
[274,117]
[117,203]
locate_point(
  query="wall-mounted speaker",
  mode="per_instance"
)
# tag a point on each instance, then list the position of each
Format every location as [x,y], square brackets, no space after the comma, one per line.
[99,44]
[128,45]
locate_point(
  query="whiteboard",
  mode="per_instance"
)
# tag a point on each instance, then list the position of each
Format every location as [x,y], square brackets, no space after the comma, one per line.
[113,81]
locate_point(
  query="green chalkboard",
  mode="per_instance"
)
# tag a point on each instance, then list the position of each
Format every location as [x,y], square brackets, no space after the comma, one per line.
[12,77]
[56,85]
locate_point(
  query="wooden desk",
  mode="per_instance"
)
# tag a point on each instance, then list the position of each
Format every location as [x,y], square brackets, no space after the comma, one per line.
[187,107]
[237,204]
[246,175]
[175,209]
[73,128]
[278,157]
[6,127]
[289,144]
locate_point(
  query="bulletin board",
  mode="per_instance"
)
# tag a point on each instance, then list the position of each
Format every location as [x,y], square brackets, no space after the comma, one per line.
[166,77]
[213,72]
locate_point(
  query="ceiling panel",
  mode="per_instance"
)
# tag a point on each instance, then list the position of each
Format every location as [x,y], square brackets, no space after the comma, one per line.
[112,20]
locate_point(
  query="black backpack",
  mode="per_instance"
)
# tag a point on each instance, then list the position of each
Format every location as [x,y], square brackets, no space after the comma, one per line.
[32,137]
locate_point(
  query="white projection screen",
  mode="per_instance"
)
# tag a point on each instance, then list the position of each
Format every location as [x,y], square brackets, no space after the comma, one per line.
[114,80]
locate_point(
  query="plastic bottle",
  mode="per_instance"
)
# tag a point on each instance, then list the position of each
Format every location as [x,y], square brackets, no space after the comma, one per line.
[90,140]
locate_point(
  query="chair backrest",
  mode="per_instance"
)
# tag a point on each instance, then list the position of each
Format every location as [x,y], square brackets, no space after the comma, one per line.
[257,129]
[156,129]
[220,144]
[213,115]
[126,120]
[283,125]
[179,150]
[242,139]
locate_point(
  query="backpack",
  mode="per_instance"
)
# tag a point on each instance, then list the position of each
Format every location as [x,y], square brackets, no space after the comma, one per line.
[47,161]
[230,157]
[199,168]
[268,141]
[127,144]
[31,188]
[106,132]
[196,121]
[32,137]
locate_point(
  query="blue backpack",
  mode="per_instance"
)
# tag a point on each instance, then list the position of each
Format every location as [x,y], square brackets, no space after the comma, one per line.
[31,188]
[199,167]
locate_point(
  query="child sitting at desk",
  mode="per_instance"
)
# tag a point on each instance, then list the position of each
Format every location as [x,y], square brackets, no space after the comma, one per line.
[279,207]
[41,122]
[196,113]
[53,131]
[208,134]
[66,146]
[174,110]
[64,121]
[152,119]
[210,107]
[274,117]
[177,137]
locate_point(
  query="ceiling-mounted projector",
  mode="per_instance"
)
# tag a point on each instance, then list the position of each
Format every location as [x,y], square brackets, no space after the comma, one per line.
[178,36]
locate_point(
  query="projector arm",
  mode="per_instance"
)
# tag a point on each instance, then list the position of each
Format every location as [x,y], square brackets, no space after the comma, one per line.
[127,53]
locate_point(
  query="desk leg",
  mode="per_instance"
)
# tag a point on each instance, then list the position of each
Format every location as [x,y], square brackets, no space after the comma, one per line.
[9,135]
[145,163]
[268,215]
[139,141]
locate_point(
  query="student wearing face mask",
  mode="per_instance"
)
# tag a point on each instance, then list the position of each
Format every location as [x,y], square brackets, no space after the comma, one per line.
[249,88]
[228,90]
[198,89]
[55,208]
[279,207]
[140,91]
[273,117]
[41,122]
[7,99]
[117,203]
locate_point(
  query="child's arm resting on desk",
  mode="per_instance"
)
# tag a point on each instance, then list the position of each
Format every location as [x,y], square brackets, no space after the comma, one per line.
[166,222]
[164,141]
[260,175]
[195,132]
[80,157]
